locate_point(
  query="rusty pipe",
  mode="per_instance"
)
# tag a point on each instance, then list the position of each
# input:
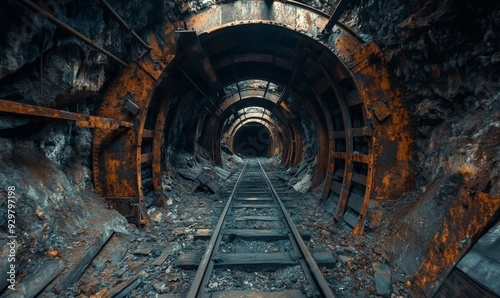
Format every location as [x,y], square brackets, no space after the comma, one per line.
[124,24]
[53,19]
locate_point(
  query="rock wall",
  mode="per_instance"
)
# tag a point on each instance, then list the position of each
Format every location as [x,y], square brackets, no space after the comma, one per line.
[445,57]
[43,64]
[55,212]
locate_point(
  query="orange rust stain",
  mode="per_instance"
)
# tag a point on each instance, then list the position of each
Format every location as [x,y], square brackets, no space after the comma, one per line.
[120,173]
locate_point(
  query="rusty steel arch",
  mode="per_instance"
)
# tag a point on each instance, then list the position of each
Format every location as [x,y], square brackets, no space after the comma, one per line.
[118,157]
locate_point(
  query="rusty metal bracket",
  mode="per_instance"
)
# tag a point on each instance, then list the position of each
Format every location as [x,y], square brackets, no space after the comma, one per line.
[381,111]
[81,119]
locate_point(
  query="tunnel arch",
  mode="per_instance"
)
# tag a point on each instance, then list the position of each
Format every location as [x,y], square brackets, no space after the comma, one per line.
[349,78]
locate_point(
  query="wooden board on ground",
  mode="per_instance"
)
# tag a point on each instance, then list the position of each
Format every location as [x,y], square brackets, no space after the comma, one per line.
[249,234]
[239,205]
[253,260]
[124,288]
[262,218]
[164,255]
[34,283]
[77,270]
[213,186]
[223,174]
[254,199]
[258,294]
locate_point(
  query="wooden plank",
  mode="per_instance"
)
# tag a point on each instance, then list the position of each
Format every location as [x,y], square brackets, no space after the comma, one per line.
[36,282]
[124,288]
[355,202]
[336,187]
[350,218]
[253,260]
[223,174]
[250,234]
[213,186]
[204,178]
[482,269]
[239,205]
[358,178]
[77,270]
[253,193]
[254,199]
[258,294]
[262,218]
[164,255]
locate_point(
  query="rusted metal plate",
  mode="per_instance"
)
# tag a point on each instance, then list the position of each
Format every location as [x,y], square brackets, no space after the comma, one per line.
[381,110]
[81,119]
[117,157]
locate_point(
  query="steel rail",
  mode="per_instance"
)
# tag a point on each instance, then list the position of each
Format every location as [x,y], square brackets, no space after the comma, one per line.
[311,263]
[206,262]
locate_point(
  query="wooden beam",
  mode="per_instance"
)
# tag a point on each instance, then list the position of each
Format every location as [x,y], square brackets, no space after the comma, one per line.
[81,119]
[124,288]
[36,282]
[251,234]
[258,294]
[164,255]
[77,270]
[260,260]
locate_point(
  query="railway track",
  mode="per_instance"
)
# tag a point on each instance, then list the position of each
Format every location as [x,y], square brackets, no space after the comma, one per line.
[254,238]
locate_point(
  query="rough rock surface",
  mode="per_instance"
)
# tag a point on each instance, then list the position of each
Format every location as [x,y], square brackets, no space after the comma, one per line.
[56,214]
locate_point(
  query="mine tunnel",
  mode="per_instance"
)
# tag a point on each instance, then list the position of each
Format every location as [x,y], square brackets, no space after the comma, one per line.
[127,127]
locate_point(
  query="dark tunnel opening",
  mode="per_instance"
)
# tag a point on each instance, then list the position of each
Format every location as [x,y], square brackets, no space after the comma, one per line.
[253,140]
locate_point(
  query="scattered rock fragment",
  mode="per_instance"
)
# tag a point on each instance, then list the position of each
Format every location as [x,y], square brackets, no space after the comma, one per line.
[161,287]
[142,251]
[382,278]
